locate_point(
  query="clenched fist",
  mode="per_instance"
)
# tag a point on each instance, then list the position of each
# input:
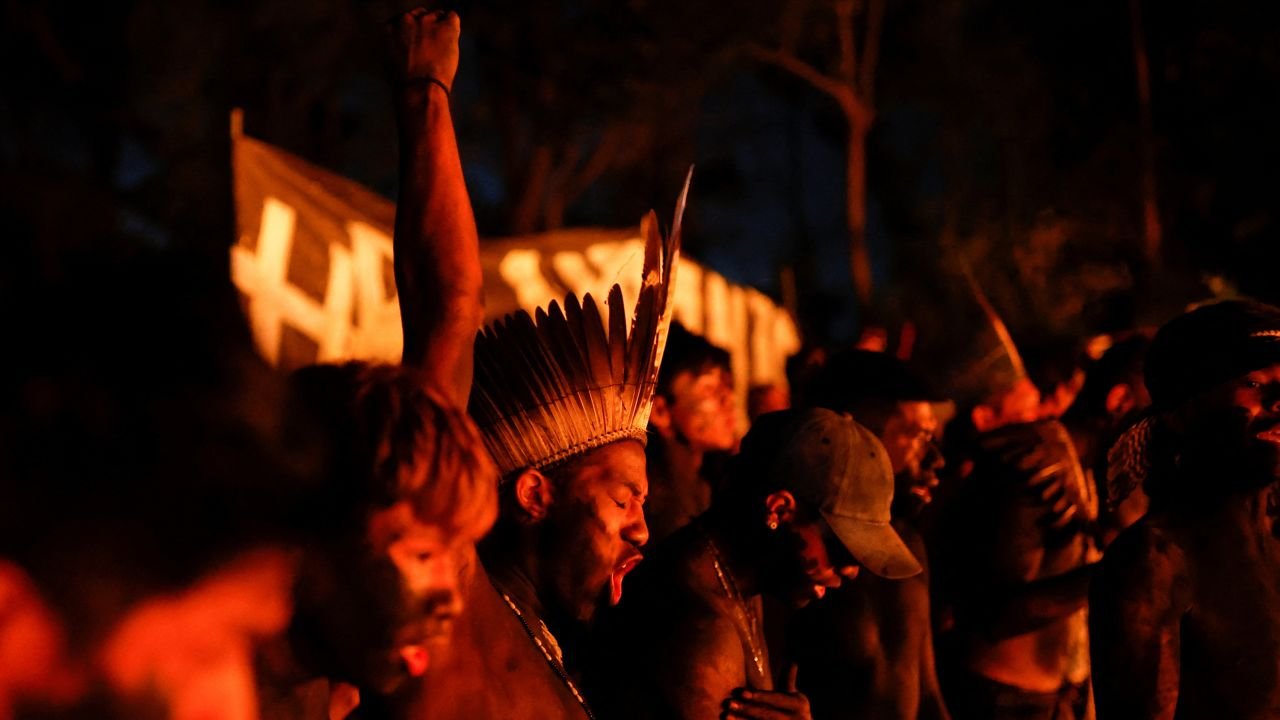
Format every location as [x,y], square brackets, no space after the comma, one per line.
[424,47]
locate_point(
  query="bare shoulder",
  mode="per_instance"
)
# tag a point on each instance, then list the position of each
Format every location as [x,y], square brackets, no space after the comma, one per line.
[706,634]
[1146,541]
[702,662]
[1148,559]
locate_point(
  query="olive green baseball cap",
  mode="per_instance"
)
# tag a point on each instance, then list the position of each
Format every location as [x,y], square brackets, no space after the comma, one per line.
[833,464]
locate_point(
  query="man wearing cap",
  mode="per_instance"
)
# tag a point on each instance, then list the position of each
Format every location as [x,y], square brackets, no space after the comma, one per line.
[867,649]
[1185,614]
[807,507]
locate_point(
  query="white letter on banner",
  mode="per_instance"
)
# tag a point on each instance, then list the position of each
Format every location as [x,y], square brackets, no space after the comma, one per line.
[377,334]
[264,277]
[261,274]
[521,270]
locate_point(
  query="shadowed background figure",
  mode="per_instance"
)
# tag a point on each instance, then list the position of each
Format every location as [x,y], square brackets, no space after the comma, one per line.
[1009,550]
[1186,610]
[695,414]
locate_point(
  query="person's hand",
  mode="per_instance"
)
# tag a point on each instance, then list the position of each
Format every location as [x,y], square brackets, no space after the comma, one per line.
[424,47]
[785,704]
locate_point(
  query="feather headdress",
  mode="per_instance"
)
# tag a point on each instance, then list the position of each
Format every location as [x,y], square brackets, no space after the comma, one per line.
[572,379]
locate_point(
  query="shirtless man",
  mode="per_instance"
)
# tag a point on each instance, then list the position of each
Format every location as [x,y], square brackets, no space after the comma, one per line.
[1186,611]
[411,487]
[867,649]
[1010,558]
[563,400]
[807,507]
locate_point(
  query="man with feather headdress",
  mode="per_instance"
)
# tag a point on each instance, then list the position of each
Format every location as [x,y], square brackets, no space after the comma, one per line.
[562,399]
[1185,614]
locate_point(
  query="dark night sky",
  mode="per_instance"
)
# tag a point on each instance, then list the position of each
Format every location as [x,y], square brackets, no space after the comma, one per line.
[993,115]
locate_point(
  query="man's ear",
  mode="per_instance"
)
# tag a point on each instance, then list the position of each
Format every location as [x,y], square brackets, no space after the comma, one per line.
[660,416]
[780,508]
[534,493]
[1120,400]
[983,417]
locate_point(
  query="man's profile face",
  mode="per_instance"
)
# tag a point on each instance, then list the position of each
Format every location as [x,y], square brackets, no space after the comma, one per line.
[908,436]
[814,561]
[704,410]
[595,528]
[1239,421]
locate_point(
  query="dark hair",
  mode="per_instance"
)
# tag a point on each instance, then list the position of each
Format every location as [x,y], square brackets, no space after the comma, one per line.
[868,385]
[686,352]
[388,439]
[1209,345]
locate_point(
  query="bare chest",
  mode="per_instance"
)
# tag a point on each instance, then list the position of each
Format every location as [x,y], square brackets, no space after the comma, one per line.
[1231,633]
[495,670]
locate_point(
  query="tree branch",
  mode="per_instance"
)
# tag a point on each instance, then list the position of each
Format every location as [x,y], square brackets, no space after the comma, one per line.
[601,158]
[871,51]
[848,43]
[799,68]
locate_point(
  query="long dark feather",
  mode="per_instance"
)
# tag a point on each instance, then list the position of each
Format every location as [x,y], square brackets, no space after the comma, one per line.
[562,379]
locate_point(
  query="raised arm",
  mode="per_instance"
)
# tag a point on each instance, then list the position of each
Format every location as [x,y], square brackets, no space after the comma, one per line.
[1136,608]
[437,249]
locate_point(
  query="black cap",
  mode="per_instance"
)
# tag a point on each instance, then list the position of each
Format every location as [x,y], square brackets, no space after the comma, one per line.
[1209,345]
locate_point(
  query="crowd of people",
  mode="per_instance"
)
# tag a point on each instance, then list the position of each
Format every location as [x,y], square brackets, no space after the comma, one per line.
[185,534]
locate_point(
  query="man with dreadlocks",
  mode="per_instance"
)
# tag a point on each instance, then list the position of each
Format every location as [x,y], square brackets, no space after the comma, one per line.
[1185,615]
[563,401]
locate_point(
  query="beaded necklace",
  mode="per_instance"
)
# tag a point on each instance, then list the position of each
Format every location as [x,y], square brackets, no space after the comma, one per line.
[731,589]
[554,659]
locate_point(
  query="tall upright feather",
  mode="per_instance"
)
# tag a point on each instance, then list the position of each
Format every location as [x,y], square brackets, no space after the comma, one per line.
[565,381]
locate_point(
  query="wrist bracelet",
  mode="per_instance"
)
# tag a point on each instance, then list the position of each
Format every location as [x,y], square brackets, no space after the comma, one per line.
[424,81]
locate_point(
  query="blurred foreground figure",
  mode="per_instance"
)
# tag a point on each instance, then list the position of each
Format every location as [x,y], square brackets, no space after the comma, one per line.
[410,487]
[563,401]
[1010,556]
[1186,611]
[410,490]
[867,650]
[694,413]
[806,507]
[146,504]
